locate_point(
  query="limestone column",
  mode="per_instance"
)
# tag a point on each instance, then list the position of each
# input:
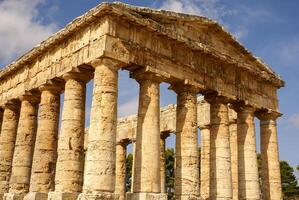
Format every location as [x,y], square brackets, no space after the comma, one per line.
[205,162]
[271,181]
[120,169]
[247,156]
[186,184]
[24,146]
[234,151]
[133,163]
[220,163]
[45,149]
[70,160]
[7,143]
[147,183]
[99,172]
[162,161]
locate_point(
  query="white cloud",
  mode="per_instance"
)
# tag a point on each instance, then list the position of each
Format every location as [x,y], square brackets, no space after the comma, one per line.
[209,8]
[294,120]
[128,108]
[20,27]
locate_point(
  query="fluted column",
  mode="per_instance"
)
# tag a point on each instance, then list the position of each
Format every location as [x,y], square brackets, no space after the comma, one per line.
[133,163]
[162,161]
[147,183]
[247,156]
[120,169]
[7,143]
[234,151]
[271,181]
[220,166]
[70,160]
[205,162]
[24,146]
[186,171]
[45,150]
[99,172]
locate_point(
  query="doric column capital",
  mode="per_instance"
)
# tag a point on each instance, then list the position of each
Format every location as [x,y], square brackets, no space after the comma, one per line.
[204,126]
[31,97]
[268,115]
[214,98]
[111,63]
[181,87]
[80,76]
[240,107]
[53,87]
[12,104]
[123,142]
[141,76]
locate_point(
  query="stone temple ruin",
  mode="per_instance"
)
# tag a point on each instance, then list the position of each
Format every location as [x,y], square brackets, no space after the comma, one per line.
[191,53]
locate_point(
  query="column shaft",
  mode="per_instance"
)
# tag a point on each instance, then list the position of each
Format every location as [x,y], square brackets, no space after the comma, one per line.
[133,164]
[99,175]
[234,151]
[147,161]
[70,161]
[270,158]
[24,146]
[45,150]
[205,162]
[247,156]
[186,170]
[162,163]
[147,182]
[220,163]
[120,170]
[7,144]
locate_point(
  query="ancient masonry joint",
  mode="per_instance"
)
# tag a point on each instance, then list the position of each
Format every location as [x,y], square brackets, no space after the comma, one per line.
[220,86]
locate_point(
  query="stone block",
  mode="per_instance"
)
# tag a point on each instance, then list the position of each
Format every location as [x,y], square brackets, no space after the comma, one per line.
[13,196]
[146,196]
[98,196]
[62,196]
[36,196]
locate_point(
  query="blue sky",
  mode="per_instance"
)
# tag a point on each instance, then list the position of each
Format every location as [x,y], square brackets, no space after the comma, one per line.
[268,28]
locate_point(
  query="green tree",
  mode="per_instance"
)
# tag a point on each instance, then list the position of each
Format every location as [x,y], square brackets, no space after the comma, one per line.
[288,180]
[169,172]
[297,168]
[129,164]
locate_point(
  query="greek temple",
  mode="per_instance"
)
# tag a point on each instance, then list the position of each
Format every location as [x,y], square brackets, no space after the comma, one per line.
[221,89]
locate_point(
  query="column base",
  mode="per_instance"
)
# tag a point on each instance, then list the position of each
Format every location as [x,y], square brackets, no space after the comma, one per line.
[62,196]
[146,196]
[36,196]
[189,197]
[13,196]
[98,196]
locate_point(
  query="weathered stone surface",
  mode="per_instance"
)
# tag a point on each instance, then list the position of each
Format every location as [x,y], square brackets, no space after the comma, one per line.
[232,116]
[146,196]
[173,49]
[7,143]
[186,169]
[45,150]
[220,166]
[69,168]
[24,146]
[177,48]
[270,157]
[147,150]
[205,162]
[99,175]
[120,170]
[247,156]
